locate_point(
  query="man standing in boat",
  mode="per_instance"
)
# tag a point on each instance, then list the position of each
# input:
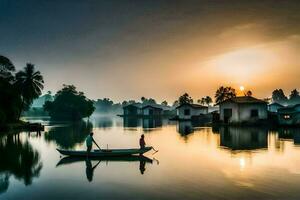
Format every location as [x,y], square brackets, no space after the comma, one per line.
[142,142]
[89,143]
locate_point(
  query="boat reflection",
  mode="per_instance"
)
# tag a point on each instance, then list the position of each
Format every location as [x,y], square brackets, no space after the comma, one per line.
[243,138]
[68,136]
[18,159]
[90,167]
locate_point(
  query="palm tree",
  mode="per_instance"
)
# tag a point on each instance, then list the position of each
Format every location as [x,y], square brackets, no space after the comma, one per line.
[207,100]
[201,101]
[224,93]
[30,84]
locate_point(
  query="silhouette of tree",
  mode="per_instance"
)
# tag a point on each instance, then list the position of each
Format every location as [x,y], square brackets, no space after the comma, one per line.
[69,104]
[201,101]
[294,97]
[185,98]
[148,101]
[6,68]
[205,100]
[10,98]
[175,103]
[224,93]
[279,96]
[294,94]
[248,93]
[164,103]
[30,84]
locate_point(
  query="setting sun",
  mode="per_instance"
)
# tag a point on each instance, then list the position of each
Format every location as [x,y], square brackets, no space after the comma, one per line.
[242,88]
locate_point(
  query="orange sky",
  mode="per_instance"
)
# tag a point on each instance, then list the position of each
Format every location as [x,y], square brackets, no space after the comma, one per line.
[159,49]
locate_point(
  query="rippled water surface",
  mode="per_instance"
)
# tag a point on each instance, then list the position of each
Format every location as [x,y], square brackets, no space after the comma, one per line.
[193,162]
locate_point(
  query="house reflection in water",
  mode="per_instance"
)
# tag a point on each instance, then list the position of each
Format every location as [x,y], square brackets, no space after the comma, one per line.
[152,123]
[146,123]
[185,127]
[243,138]
[131,122]
[290,134]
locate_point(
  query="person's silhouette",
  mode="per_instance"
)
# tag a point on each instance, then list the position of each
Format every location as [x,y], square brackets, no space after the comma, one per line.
[142,166]
[90,169]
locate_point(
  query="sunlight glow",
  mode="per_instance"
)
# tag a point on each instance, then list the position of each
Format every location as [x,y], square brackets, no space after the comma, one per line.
[242,88]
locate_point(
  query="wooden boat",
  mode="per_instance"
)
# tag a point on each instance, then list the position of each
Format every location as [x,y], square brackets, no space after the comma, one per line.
[72,159]
[105,152]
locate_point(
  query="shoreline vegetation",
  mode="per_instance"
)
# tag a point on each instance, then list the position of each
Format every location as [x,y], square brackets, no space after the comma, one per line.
[20,89]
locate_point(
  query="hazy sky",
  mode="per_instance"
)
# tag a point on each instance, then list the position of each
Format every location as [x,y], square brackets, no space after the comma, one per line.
[128,49]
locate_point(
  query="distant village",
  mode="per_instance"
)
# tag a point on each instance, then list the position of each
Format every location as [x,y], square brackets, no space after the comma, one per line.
[228,109]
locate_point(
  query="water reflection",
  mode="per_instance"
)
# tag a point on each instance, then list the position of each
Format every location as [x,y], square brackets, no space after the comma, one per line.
[243,138]
[68,136]
[18,158]
[90,167]
[147,123]
[185,127]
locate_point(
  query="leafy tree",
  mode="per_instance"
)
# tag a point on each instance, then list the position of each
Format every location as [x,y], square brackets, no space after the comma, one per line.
[175,103]
[164,103]
[205,100]
[30,85]
[185,98]
[279,96]
[108,106]
[69,104]
[294,97]
[10,98]
[6,68]
[294,94]
[201,101]
[148,101]
[224,93]
[248,93]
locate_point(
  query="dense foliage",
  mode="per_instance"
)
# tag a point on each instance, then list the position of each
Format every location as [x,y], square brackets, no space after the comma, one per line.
[224,93]
[278,96]
[17,90]
[106,105]
[185,98]
[69,104]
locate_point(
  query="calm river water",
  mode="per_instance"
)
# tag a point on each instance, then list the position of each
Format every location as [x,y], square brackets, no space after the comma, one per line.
[193,162]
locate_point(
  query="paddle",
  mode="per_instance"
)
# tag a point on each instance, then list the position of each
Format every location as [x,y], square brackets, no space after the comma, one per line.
[154,150]
[97,144]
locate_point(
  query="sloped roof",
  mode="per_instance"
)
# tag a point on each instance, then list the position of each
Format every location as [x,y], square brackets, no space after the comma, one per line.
[152,106]
[244,100]
[276,104]
[196,106]
[138,105]
[289,109]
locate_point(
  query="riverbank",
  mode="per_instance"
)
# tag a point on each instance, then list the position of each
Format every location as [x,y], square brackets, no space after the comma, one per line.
[22,126]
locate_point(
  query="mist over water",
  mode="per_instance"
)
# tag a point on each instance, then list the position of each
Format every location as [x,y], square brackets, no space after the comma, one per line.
[193,162]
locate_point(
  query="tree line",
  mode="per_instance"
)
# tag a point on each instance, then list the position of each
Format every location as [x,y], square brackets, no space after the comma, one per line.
[18,89]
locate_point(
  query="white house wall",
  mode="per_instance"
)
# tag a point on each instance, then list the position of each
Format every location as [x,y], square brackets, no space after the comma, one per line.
[193,111]
[242,112]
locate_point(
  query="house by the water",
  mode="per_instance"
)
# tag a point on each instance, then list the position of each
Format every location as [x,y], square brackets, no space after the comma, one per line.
[289,115]
[189,111]
[150,110]
[273,107]
[132,109]
[243,109]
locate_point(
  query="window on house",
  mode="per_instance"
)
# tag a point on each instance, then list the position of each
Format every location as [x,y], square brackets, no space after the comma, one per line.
[254,113]
[187,112]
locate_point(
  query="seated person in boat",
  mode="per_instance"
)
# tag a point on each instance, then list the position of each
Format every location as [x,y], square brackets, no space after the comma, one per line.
[142,142]
[89,142]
